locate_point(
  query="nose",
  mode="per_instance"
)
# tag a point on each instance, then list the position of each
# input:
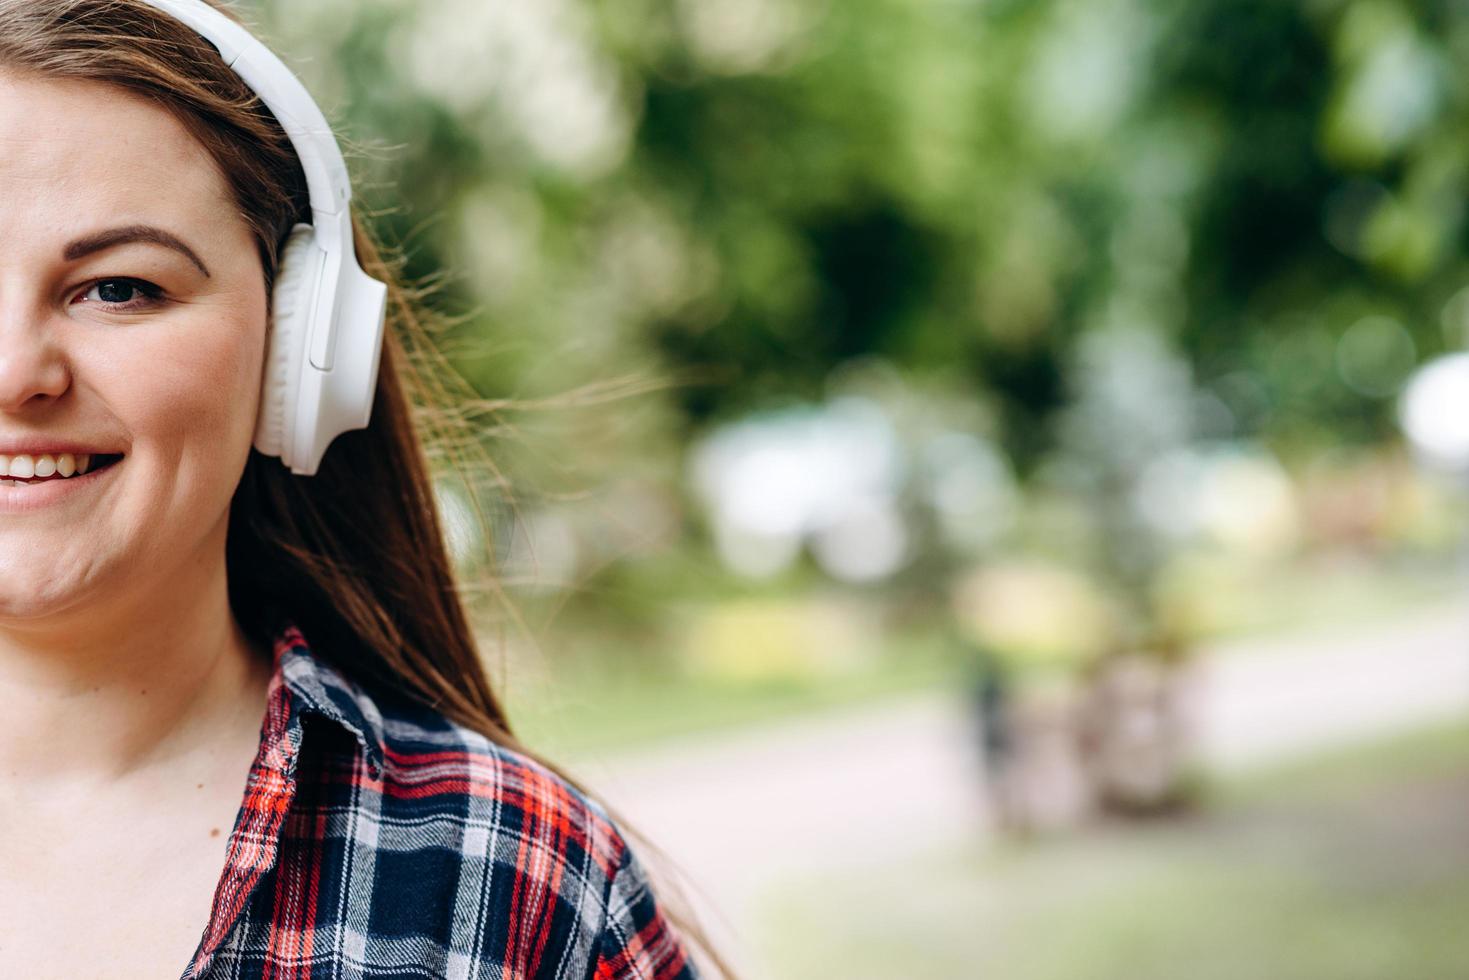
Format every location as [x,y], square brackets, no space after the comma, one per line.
[33,367]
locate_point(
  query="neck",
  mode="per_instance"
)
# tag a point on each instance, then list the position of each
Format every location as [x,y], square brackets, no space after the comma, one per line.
[92,697]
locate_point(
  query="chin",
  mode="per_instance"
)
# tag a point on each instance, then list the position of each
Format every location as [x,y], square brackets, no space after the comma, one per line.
[30,594]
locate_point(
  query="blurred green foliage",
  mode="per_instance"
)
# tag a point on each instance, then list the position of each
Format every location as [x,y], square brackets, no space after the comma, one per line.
[761,191]
[755,202]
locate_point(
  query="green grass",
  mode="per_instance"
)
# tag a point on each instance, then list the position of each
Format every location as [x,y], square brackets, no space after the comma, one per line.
[1355,867]
[597,711]
[1439,752]
[1341,595]
[618,700]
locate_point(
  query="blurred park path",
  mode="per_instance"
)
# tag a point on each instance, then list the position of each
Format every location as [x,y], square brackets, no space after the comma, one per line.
[742,812]
[1263,701]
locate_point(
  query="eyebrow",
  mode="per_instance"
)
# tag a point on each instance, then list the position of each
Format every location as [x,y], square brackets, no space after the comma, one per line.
[146,234]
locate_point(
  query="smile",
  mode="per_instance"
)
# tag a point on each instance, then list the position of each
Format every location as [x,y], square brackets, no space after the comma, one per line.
[26,469]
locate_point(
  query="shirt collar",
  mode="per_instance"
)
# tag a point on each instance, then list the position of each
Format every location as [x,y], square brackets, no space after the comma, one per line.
[314,687]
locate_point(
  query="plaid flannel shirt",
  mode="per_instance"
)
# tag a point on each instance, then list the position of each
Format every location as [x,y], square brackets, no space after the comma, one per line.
[378,839]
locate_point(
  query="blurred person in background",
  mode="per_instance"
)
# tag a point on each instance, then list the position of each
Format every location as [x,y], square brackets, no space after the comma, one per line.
[163,586]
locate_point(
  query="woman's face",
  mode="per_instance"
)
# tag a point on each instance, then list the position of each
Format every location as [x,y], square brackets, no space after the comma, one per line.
[132,325]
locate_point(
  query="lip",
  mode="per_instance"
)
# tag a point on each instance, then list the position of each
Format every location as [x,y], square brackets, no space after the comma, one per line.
[25,498]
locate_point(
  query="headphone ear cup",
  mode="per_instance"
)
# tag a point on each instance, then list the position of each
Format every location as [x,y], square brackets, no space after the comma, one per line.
[291,301]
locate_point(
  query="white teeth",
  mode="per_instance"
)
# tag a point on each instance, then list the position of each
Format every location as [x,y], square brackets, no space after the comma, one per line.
[24,467]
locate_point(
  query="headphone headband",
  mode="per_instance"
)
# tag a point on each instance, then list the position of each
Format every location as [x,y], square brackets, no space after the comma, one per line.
[283,94]
[327,327]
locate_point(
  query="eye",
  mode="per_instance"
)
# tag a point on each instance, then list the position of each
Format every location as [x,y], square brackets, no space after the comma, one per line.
[123,294]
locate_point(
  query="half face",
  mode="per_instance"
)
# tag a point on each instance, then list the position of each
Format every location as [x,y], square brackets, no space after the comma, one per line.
[132,332]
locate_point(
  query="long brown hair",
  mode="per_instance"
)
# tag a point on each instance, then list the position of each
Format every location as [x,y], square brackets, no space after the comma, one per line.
[356,553]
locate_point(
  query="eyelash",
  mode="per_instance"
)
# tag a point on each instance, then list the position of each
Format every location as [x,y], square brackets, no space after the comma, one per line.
[151,295]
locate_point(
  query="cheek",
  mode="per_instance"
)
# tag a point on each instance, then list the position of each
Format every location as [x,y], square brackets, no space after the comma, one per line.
[192,391]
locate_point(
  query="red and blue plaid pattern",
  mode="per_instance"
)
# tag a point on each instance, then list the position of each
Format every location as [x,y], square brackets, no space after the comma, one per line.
[378,839]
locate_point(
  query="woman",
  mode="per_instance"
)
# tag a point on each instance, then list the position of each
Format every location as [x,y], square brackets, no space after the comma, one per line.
[163,587]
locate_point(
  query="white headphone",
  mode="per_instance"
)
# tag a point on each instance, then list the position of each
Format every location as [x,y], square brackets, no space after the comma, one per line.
[326,332]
